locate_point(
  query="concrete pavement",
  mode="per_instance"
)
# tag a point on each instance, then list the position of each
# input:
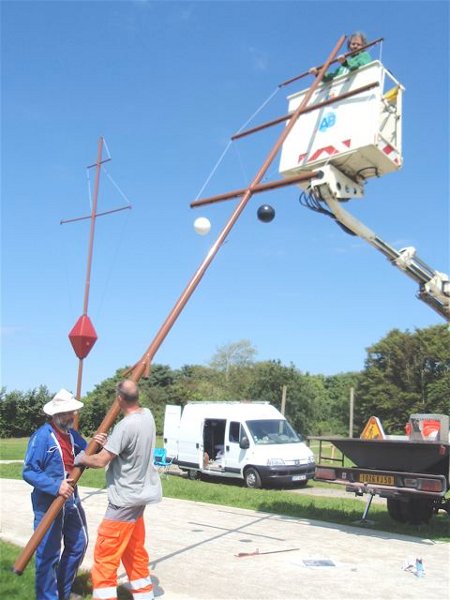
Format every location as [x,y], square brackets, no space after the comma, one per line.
[194,546]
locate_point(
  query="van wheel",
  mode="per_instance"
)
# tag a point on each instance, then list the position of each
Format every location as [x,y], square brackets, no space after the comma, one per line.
[252,478]
[193,474]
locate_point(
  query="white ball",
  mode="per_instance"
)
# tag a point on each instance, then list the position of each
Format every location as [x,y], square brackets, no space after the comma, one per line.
[202,225]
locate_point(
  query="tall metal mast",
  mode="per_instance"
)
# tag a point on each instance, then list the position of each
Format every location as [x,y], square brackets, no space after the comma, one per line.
[83,336]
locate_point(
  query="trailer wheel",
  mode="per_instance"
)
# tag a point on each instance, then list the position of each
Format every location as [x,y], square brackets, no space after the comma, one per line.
[395,510]
[420,510]
[252,478]
[412,510]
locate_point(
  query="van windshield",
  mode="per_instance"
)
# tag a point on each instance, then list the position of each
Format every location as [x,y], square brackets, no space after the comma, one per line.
[272,431]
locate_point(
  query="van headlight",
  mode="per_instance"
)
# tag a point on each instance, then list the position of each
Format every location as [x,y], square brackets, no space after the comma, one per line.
[272,462]
[311,459]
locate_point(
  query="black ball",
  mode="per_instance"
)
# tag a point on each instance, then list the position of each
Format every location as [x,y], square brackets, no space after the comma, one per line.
[265,213]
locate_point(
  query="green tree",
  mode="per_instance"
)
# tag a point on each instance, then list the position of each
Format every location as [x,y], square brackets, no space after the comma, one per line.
[197,383]
[97,403]
[266,383]
[405,373]
[21,412]
[336,409]
[233,354]
[154,392]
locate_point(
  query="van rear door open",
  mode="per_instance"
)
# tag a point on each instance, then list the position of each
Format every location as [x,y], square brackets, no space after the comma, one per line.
[172,430]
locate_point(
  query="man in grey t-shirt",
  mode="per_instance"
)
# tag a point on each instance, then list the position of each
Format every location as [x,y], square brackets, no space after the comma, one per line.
[132,482]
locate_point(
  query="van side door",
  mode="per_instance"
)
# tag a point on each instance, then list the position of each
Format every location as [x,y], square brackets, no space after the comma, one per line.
[235,457]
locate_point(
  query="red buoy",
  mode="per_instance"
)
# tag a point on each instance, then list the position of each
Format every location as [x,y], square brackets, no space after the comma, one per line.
[83,336]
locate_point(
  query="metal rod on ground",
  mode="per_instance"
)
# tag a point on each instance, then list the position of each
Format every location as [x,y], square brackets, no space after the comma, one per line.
[137,371]
[257,552]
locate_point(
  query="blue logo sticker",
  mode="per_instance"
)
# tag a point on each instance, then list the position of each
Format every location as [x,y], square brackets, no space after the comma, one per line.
[328,121]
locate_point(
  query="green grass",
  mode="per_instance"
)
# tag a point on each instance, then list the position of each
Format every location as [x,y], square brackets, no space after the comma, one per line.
[13,448]
[331,509]
[14,587]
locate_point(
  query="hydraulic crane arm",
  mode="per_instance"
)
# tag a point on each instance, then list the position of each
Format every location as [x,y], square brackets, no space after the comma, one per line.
[434,287]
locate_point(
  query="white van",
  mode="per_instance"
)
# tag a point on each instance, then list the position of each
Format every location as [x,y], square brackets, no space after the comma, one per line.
[245,440]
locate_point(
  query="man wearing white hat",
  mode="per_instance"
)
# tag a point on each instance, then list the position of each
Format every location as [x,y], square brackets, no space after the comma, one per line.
[48,462]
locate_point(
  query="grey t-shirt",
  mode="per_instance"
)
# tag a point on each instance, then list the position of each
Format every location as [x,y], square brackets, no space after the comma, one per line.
[131,477]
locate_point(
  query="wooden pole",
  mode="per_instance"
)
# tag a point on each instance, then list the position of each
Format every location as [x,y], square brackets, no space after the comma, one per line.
[262,187]
[346,54]
[283,399]
[138,370]
[308,109]
[87,284]
[352,403]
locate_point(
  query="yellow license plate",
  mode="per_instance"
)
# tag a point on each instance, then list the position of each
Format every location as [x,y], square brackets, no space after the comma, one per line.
[379,479]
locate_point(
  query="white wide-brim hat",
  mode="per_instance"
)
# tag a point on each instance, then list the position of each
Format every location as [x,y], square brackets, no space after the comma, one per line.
[62,402]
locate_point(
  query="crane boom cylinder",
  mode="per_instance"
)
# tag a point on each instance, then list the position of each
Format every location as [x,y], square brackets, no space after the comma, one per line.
[434,286]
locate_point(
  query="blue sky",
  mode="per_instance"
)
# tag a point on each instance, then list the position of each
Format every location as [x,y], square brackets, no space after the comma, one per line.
[166,84]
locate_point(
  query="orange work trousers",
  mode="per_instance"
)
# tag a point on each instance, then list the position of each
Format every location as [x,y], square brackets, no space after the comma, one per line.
[121,541]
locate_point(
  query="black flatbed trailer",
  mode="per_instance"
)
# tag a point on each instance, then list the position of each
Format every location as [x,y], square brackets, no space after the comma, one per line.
[413,475]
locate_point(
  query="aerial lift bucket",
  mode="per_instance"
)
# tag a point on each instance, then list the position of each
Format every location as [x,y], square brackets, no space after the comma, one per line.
[360,134]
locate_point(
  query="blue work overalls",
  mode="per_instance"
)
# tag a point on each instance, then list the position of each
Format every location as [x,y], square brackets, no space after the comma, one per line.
[44,470]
